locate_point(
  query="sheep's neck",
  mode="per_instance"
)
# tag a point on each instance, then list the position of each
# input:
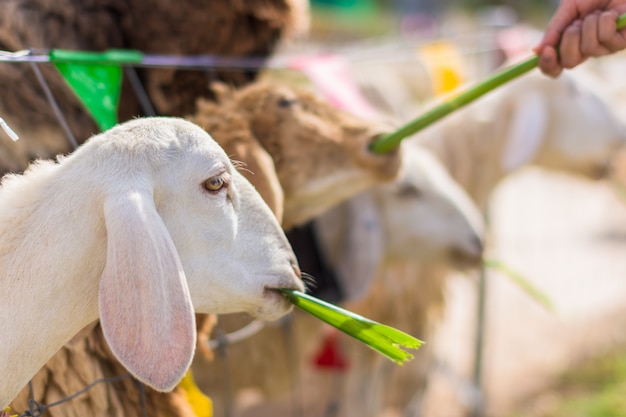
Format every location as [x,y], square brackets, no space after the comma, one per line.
[39,260]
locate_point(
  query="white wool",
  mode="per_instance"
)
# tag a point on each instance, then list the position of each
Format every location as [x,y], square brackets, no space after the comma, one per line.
[123,231]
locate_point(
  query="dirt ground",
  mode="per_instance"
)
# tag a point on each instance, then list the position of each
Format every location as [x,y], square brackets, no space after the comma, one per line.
[568,237]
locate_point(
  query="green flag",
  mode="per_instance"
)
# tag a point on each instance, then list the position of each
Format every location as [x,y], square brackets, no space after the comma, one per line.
[96,79]
[98,88]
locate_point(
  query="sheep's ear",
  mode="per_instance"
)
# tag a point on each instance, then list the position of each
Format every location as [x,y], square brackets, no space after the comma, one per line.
[362,251]
[145,308]
[258,168]
[526,131]
[221,91]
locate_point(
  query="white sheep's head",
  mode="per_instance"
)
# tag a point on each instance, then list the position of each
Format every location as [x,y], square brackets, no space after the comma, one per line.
[185,231]
[428,216]
[423,216]
[565,123]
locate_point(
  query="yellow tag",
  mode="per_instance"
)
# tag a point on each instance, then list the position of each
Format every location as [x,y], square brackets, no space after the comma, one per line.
[7,412]
[201,404]
[445,64]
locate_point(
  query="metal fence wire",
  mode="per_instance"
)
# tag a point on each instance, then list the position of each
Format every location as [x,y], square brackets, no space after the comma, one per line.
[37,409]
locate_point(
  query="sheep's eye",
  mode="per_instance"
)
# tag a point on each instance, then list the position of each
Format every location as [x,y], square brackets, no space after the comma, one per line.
[286,102]
[408,190]
[216,183]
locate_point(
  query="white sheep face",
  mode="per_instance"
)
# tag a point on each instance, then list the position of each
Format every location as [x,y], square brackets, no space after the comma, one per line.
[574,129]
[184,231]
[247,253]
[231,248]
[423,216]
[140,226]
[427,216]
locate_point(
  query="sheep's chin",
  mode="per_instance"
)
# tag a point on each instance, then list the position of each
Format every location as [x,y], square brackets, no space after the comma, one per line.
[463,261]
[274,307]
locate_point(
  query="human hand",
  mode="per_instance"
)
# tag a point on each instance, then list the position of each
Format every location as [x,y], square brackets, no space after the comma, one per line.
[581,29]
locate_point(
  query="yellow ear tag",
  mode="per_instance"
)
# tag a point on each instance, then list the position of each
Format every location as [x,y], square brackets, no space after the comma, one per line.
[201,404]
[7,413]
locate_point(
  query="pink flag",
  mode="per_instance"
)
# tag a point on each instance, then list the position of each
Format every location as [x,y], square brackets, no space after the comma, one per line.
[331,75]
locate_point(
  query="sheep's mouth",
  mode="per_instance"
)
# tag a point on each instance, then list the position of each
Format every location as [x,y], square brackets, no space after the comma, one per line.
[277,294]
[272,291]
[388,162]
[462,260]
[276,305]
[601,172]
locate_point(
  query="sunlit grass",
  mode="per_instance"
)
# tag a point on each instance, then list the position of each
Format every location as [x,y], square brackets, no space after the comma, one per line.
[595,389]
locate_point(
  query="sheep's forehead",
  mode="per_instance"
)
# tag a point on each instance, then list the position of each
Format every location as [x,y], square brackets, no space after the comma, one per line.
[190,141]
[170,141]
[203,154]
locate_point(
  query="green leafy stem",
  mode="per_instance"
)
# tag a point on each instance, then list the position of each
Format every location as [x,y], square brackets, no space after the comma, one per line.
[383,339]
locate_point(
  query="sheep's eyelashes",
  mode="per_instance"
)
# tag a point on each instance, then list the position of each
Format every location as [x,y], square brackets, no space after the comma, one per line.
[215,184]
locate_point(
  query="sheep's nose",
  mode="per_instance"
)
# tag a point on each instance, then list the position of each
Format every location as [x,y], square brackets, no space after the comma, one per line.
[296,269]
[474,251]
[384,165]
[603,171]
[295,283]
[470,255]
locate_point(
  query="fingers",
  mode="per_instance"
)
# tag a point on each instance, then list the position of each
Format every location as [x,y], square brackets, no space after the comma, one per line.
[608,36]
[570,55]
[563,17]
[570,51]
[590,43]
[594,36]
[549,62]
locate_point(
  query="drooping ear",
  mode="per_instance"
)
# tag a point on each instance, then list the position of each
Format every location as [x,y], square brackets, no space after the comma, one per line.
[259,169]
[361,254]
[526,131]
[145,307]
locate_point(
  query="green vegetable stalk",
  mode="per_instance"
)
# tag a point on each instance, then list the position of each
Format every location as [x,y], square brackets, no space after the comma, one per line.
[383,339]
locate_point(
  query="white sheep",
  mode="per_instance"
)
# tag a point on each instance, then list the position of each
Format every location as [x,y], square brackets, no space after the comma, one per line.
[138,228]
[422,216]
[282,137]
[563,124]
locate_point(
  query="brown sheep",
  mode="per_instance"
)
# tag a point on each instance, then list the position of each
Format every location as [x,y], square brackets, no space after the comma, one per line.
[565,125]
[320,156]
[236,28]
[311,144]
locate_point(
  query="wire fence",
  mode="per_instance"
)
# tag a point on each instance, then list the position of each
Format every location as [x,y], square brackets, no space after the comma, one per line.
[37,409]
